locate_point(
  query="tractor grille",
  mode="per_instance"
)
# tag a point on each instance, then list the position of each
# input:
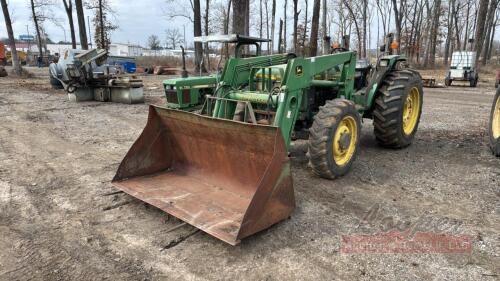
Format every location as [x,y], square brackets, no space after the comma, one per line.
[186,96]
[171,96]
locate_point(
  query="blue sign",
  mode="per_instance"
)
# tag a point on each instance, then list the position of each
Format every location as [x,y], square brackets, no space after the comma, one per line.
[26,37]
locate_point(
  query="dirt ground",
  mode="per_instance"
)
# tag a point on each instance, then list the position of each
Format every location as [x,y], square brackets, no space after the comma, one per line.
[61,219]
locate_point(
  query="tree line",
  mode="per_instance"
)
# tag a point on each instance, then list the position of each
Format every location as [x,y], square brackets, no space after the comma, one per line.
[424,29]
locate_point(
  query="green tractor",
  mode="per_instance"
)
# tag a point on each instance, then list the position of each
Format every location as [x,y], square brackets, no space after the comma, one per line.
[188,93]
[225,169]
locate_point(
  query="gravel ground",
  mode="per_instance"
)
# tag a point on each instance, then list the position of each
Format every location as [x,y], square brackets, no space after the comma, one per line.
[61,220]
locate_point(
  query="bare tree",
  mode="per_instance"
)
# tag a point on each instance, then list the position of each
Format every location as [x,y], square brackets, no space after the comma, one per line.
[480,27]
[103,25]
[173,37]
[489,26]
[207,31]
[450,30]
[241,16]
[198,48]
[68,7]
[296,13]
[12,41]
[266,4]
[82,30]
[261,20]
[434,32]
[285,38]
[194,15]
[154,42]
[273,21]
[40,12]
[325,28]
[306,22]
[398,14]
[356,25]
[314,29]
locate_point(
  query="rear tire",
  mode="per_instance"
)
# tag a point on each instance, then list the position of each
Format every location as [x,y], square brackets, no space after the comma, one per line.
[494,127]
[334,138]
[398,108]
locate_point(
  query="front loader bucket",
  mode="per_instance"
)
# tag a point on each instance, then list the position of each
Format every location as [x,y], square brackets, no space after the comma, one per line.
[227,178]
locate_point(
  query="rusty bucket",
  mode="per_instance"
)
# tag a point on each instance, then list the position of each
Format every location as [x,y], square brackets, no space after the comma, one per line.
[229,179]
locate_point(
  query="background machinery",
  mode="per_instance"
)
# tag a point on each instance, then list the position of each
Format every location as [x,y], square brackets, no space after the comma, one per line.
[85,76]
[226,169]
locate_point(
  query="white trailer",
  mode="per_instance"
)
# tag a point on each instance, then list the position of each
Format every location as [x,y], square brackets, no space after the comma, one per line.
[462,68]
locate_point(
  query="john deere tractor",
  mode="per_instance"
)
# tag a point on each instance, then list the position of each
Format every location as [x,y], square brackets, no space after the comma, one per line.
[188,93]
[226,170]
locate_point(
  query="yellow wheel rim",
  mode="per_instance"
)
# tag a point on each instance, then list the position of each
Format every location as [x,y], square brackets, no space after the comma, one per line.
[495,122]
[411,110]
[344,141]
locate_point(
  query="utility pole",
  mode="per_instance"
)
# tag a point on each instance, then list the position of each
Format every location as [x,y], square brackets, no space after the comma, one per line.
[29,41]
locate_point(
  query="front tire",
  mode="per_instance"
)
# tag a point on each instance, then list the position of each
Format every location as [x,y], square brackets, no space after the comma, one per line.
[334,138]
[494,128]
[398,108]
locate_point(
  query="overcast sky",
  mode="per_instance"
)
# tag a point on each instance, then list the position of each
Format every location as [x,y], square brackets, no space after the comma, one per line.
[136,20]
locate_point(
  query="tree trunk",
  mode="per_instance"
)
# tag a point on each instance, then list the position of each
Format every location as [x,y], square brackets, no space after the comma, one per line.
[285,39]
[280,42]
[489,26]
[434,33]
[198,48]
[81,24]
[325,30]
[102,31]
[273,20]
[466,38]
[239,16]
[314,29]
[261,21]
[358,31]
[305,28]
[449,34]
[365,20]
[492,37]
[295,23]
[226,25]
[207,13]
[480,27]
[267,28]
[68,7]
[12,41]
[247,18]
[37,29]
[398,18]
